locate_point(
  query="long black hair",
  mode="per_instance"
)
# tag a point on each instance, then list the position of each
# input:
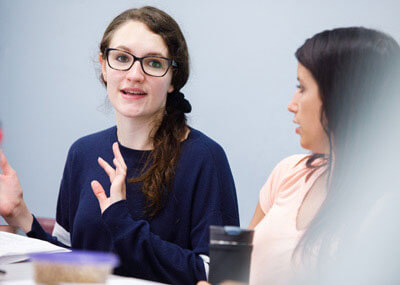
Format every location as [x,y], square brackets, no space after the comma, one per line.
[356,70]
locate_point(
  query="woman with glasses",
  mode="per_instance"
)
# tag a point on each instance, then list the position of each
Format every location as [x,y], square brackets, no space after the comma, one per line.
[149,188]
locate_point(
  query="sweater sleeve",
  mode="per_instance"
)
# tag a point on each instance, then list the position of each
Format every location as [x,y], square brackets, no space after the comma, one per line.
[145,254]
[38,232]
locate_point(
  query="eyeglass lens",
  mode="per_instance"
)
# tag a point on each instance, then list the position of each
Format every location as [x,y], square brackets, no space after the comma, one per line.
[151,65]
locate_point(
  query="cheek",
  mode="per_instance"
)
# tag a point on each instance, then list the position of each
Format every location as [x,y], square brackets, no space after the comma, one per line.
[315,109]
[110,92]
[113,81]
[317,126]
[161,88]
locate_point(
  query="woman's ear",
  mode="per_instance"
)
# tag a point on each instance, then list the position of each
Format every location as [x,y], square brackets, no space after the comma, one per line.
[103,67]
[324,120]
[170,89]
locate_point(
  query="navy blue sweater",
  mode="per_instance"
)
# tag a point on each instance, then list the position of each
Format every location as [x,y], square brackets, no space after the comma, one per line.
[166,248]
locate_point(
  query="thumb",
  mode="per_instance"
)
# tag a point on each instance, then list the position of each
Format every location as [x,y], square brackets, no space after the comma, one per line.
[100,194]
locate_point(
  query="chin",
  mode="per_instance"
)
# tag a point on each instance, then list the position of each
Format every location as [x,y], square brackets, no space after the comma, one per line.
[304,145]
[308,147]
[131,115]
[139,114]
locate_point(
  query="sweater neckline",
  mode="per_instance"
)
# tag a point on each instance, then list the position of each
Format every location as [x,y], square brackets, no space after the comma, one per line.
[134,154]
[114,138]
[128,154]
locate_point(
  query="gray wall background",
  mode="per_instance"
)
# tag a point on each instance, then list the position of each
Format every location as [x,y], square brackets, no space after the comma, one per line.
[243,76]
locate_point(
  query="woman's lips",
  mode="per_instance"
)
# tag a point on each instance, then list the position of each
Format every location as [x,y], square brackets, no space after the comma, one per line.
[298,128]
[132,93]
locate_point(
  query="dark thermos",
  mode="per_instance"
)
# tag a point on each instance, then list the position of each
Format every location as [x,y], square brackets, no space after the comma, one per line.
[230,253]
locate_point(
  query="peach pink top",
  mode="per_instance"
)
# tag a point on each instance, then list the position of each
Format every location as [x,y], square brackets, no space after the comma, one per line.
[276,236]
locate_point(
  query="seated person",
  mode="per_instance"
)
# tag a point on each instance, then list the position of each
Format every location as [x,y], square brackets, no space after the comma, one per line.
[309,200]
[314,209]
[148,188]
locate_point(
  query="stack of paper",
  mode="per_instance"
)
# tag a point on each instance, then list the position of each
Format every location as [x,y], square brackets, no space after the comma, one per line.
[14,248]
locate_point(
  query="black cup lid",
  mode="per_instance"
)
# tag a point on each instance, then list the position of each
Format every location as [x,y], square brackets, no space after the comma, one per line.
[231,234]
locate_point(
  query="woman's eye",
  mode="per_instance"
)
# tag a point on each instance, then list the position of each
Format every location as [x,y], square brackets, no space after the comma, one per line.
[155,63]
[122,58]
[300,88]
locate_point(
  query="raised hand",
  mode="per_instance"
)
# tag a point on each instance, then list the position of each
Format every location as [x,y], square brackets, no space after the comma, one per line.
[12,204]
[117,179]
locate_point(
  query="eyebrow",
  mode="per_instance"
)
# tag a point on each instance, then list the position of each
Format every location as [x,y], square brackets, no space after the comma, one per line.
[151,53]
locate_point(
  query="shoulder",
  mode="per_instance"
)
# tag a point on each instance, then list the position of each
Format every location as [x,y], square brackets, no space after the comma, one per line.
[292,163]
[287,167]
[89,141]
[284,176]
[290,169]
[200,145]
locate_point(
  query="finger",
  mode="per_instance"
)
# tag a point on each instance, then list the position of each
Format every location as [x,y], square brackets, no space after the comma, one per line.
[5,166]
[107,168]
[119,168]
[100,194]
[118,155]
[118,184]
[118,189]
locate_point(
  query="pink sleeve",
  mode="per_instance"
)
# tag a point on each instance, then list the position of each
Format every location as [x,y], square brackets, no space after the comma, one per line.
[271,188]
[268,192]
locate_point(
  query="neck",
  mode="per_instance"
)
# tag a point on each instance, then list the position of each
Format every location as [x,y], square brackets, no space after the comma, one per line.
[135,133]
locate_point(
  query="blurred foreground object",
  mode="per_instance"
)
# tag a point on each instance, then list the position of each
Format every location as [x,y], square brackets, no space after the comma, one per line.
[230,253]
[75,267]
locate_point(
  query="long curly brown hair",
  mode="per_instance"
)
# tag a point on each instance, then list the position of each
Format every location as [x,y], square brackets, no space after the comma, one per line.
[159,169]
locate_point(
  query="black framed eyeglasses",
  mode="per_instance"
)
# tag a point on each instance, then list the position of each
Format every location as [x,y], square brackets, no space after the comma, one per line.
[151,65]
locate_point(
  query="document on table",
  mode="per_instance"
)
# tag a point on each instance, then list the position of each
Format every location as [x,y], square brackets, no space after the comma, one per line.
[110,281]
[15,248]
[130,281]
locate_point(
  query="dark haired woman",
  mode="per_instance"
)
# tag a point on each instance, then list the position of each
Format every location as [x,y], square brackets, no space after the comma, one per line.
[313,206]
[178,180]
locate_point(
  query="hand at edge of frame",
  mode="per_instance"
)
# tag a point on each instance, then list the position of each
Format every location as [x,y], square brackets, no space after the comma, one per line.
[12,205]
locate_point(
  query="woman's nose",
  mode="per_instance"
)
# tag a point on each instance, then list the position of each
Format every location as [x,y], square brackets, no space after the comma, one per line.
[135,73]
[293,106]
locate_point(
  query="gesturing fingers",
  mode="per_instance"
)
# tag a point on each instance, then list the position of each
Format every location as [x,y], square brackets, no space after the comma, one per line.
[118,155]
[117,178]
[100,194]
[107,168]
[119,168]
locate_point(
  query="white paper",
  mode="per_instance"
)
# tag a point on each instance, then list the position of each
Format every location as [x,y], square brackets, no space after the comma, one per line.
[14,248]
[110,281]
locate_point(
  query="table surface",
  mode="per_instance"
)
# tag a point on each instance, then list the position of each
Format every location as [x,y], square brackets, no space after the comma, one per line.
[22,274]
